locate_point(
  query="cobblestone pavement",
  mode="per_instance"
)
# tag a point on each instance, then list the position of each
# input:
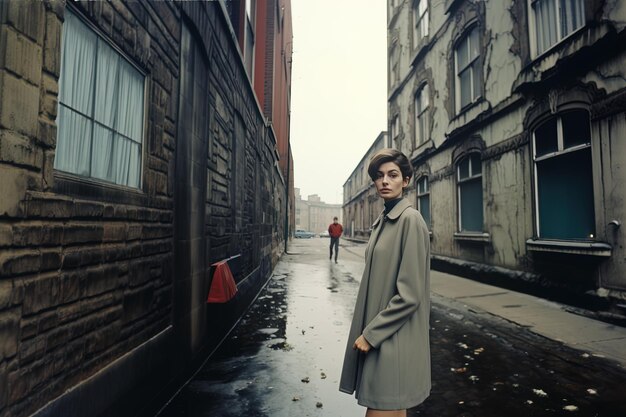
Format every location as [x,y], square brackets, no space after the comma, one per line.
[284,357]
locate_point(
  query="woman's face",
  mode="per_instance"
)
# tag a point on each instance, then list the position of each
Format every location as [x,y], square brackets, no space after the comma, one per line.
[389,181]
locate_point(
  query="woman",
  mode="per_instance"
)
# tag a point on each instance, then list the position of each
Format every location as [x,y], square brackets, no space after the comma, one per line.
[387,360]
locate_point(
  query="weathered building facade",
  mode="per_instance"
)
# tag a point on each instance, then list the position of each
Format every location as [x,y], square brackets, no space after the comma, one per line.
[361,203]
[513,115]
[313,214]
[133,155]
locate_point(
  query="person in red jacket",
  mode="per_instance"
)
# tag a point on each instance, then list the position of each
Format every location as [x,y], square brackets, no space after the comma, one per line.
[334,230]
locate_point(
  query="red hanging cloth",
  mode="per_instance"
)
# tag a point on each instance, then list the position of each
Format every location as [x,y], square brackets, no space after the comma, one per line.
[223,287]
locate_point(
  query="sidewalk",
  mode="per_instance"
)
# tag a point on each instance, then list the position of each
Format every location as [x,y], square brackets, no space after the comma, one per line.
[542,317]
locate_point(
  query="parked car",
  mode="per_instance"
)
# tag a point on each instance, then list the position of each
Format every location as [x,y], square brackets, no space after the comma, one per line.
[303,234]
[325,234]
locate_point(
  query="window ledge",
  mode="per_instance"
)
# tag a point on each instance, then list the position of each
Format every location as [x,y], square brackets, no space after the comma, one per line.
[472,237]
[75,186]
[557,59]
[420,50]
[422,148]
[577,248]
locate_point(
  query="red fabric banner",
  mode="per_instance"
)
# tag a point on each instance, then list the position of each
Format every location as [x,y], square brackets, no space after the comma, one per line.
[223,287]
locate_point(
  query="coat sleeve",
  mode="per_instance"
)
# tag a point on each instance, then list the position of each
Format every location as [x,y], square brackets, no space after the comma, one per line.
[410,285]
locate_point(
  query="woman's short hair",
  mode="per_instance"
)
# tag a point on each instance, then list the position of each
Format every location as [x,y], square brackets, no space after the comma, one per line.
[389,155]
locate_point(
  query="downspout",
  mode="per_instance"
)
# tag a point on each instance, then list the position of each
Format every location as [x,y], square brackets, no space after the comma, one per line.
[288,195]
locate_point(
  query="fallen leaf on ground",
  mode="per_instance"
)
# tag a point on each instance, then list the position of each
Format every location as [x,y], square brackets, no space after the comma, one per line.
[459,370]
[323,375]
[319,405]
[592,391]
[540,392]
[295,399]
[305,379]
[570,408]
[473,378]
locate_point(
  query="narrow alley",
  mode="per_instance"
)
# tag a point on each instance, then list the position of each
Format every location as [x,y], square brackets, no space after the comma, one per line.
[285,355]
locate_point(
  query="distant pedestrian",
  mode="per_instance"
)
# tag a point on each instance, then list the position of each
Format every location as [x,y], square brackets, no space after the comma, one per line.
[387,359]
[334,230]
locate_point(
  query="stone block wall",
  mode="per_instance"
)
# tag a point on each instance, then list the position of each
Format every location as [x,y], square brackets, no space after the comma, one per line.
[86,277]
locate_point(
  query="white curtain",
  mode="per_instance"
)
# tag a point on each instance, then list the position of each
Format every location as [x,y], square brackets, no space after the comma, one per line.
[545,21]
[106,102]
[572,15]
[73,150]
[75,95]
[110,147]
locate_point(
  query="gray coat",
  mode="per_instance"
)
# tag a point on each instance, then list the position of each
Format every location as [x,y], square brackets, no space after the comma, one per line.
[392,312]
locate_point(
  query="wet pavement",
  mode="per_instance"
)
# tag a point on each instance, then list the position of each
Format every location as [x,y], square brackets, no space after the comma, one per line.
[284,358]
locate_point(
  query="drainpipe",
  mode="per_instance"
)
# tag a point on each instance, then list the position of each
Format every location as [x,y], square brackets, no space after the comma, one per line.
[287,199]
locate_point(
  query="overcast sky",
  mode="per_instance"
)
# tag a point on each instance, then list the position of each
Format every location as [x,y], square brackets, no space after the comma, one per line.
[338,92]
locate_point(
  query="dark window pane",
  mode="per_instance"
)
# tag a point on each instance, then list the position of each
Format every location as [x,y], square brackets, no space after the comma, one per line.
[464,169]
[576,130]
[420,186]
[466,87]
[545,138]
[566,196]
[424,208]
[477,167]
[471,206]
[462,55]
[474,44]
[477,80]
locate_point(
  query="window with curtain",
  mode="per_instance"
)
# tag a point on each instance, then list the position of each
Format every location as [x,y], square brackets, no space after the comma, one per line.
[421,115]
[468,69]
[563,177]
[470,193]
[420,21]
[423,199]
[101,107]
[554,20]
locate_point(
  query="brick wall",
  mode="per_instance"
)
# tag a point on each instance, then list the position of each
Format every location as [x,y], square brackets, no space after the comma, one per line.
[86,275]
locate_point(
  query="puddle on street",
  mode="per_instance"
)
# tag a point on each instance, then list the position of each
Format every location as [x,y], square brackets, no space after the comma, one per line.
[284,358]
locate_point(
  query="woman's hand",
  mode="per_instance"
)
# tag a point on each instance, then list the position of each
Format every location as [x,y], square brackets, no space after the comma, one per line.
[362,344]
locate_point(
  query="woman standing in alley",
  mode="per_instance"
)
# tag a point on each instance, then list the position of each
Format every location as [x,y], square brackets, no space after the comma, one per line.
[387,359]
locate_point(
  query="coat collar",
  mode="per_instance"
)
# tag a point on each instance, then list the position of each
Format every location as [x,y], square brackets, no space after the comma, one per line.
[395,212]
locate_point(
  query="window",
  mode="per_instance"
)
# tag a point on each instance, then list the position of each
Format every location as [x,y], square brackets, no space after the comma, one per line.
[420,21]
[423,199]
[395,128]
[101,105]
[250,30]
[563,177]
[470,193]
[421,115]
[554,20]
[394,65]
[468,70]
